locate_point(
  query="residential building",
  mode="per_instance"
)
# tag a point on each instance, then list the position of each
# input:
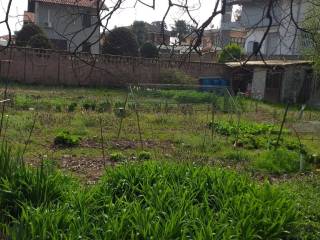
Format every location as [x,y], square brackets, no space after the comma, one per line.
[156,35]
[4,40]
[283,37]
[222,37]
[69,24]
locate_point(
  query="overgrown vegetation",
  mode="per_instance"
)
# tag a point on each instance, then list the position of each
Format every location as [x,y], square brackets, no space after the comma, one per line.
[278,161]
[152,200]
[33,36]
[188,133]
[120,41]
[172,76]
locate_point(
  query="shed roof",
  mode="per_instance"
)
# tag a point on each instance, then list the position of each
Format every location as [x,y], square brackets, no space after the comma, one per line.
[77,3]
[267,63]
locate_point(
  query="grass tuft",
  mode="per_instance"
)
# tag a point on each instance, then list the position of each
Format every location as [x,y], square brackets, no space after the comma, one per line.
[278,161]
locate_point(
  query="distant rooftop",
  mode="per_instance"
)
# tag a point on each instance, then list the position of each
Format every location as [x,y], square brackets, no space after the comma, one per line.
[78,3]
[28,17]
[268,63]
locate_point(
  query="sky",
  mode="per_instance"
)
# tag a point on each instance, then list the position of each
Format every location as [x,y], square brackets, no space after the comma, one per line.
[124,16]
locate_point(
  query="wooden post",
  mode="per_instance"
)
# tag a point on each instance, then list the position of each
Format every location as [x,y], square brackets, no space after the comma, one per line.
[282,124]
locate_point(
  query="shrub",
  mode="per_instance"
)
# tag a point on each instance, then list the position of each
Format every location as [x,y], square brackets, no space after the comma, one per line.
[144,156]
[121,41]
[174,76]
[65,139]
[231,52]
[39,41]
[26,33]
[278,161]
[149,50]
[72,107]
[117,157]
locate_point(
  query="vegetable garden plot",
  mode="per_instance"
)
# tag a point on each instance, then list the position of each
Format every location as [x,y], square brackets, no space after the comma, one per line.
[177,109]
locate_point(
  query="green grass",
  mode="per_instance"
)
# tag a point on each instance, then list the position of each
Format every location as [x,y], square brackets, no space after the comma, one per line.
[306,193]
[237,155]
[153,200]
[278,161]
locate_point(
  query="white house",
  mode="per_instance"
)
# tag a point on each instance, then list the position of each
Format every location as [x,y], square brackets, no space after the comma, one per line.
[284,38]
[69,24]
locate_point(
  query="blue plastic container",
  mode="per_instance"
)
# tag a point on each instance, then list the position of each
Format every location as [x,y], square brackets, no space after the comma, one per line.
[208,83]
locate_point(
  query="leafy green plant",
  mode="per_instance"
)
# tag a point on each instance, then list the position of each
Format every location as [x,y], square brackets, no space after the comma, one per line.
[117,157]
[232,128]
[65,139]
[144,155]
[89,105]
[104,106]
[21,185]
[72,107]
[133,196]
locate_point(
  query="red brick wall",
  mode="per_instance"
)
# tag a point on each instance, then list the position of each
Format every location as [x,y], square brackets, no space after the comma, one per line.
[62,68]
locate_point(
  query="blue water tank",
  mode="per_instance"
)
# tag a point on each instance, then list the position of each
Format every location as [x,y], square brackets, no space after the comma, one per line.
[209,82]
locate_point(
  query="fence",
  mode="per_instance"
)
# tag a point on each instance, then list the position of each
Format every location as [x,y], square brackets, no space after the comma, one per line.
[51,67]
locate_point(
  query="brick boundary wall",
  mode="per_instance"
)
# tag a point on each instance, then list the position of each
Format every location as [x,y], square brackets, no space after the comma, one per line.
[49,67]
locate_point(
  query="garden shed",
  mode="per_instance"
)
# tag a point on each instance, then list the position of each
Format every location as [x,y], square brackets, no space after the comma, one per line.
[274,80]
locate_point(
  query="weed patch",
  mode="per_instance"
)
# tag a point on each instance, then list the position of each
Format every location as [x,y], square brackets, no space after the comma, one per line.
[144,155]
[278,161]
[117,157]
[237,156]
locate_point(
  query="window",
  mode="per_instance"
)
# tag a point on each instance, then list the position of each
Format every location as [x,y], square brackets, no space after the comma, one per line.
[31,6]
[86,47]
[273,42]
[47,22]
[252,47]
[86,20]
[255,47]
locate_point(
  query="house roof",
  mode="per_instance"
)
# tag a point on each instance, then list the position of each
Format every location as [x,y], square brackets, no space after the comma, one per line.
[78,3]
[268,63]
[6,37]
[155,28]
